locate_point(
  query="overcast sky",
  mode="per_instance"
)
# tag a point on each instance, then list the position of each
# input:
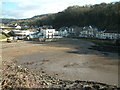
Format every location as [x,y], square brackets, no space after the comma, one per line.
[19,9]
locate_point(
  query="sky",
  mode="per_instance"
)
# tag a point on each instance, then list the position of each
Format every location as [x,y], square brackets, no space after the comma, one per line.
[20,9]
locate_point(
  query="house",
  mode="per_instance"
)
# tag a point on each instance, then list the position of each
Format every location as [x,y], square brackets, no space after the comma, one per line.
[111,34]
[6,31]
[18,27]
[64,31]
[70,31]
[47,33]
[57,35]
[44,33]
[21,34]
[93,32]
[89,32]
[3,27]
[74,30]
[6,28]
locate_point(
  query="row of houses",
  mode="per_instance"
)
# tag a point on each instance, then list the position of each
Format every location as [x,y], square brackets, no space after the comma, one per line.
[89,32]
[47,32]
[10,28]
[38,33]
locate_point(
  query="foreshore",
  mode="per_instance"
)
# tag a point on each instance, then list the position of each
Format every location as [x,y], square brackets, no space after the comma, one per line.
[65,59]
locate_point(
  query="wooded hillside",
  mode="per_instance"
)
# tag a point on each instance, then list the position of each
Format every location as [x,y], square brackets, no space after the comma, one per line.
[104,16]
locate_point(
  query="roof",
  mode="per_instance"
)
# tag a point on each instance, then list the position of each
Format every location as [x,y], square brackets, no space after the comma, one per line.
[18,27]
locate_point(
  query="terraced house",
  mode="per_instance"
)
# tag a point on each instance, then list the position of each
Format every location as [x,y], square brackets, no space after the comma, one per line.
[92,32]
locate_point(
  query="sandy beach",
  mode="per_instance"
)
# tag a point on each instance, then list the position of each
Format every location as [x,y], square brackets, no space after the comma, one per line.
[67,59]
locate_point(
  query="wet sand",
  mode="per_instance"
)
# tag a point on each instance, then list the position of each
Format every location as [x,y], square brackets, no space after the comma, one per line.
[68,59]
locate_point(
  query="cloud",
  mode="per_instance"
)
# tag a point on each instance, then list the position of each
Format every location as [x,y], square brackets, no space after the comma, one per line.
[29,8]
[108,1]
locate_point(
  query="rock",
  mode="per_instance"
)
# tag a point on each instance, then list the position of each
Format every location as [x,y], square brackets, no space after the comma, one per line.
[43,71]
[16,76]
[87,88]
[96,86]
[77,81]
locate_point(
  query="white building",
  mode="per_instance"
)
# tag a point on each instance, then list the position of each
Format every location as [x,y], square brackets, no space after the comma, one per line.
[6,31]
[47,33]
[90,32]
[22,34]
[18,27]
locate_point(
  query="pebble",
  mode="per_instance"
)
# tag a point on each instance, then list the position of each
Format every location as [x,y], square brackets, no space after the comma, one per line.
[22,77]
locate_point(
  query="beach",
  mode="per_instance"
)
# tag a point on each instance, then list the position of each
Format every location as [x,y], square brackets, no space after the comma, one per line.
[66,59]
